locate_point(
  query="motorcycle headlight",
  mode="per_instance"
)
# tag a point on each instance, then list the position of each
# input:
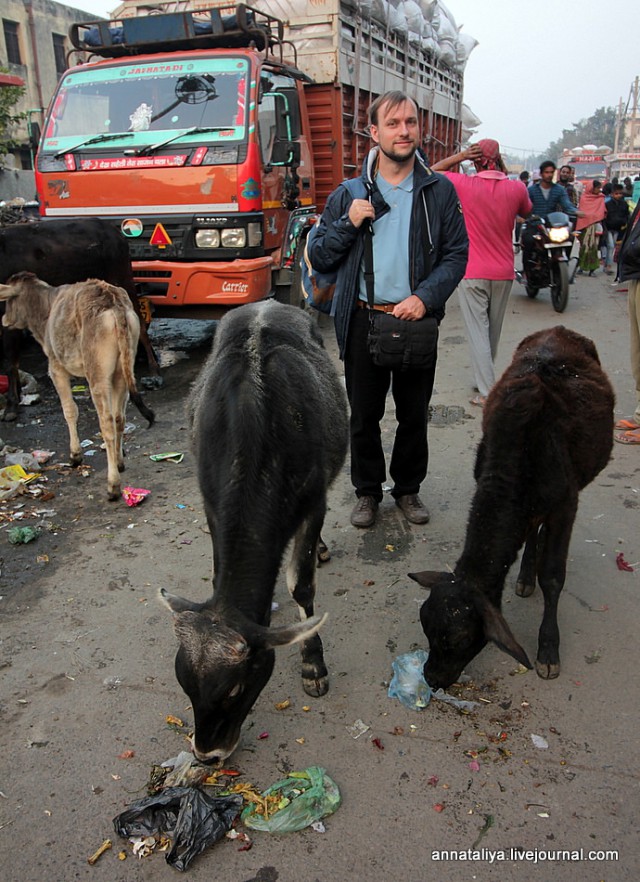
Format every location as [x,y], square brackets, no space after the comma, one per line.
[558,234]
[208,239]
[234,237]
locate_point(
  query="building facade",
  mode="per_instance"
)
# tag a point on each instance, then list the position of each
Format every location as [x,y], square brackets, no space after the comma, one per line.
[34,46]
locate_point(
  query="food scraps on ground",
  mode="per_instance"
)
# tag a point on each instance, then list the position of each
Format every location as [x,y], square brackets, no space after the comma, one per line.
[106,845]
[622,564]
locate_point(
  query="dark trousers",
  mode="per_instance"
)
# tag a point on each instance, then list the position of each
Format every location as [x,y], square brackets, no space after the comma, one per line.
[367,387]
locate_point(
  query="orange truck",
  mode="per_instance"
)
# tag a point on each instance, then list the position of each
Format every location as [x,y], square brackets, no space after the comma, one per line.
[212,138]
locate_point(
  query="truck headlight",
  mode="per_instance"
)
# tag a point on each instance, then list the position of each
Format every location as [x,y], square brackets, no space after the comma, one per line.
[208,239]
[255,234]
[234,237]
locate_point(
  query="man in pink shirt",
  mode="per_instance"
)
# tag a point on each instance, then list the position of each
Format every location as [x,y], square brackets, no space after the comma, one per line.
[490,204]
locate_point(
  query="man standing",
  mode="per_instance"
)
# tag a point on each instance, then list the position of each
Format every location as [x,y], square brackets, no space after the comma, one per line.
[615,223]
[565,179]
[629,272]
[490,203]
[420,251]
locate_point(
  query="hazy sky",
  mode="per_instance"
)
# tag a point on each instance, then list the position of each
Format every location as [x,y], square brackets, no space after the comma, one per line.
[540,65]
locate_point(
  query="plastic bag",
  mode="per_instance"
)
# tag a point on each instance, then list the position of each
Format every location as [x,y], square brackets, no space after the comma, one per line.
[408,683]
[306,797]
[192,819]
[22,535]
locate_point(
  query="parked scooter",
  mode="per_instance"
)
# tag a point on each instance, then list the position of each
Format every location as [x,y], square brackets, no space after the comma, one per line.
[544,257]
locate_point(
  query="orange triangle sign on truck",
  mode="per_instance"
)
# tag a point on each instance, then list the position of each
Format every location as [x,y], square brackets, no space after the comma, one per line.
[160,237]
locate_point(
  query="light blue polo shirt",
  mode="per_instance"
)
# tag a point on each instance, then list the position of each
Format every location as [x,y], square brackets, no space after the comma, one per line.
[391,244]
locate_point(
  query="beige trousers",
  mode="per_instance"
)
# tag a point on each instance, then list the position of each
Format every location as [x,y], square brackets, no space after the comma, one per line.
[634,342]
[483,304]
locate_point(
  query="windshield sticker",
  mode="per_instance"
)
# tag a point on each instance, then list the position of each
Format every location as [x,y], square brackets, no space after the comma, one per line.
[134,162]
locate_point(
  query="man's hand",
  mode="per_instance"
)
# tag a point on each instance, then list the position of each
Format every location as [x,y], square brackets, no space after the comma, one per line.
[412,309]
[359,211]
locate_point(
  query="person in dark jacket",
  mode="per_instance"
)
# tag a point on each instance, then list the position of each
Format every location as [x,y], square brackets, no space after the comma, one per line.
[629,272]
[420,249]
[615,223]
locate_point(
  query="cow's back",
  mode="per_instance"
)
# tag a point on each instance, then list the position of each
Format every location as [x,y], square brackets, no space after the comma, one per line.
[268,416]
[549,416]
[64,251]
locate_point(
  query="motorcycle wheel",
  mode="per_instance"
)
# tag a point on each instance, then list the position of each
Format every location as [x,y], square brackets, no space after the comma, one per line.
[559,286]
[531,291]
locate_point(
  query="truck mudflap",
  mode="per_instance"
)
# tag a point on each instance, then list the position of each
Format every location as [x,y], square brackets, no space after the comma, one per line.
[225,283]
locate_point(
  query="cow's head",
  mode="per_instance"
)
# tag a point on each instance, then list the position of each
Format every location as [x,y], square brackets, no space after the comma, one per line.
[459,621]
[223,662]
[23,303]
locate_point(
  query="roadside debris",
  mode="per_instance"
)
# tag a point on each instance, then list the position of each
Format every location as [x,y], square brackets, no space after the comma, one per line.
[134,495]
[169,457]
[22,535]
[106,845]
[622,564]
[409,686]
[192,818]
[540,742]
[294,803]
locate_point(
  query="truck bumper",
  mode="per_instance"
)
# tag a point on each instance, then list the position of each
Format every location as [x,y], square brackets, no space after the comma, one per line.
[219,284]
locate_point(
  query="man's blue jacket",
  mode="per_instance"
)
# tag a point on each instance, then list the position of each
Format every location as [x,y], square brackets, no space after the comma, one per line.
[558,201]
[438,246]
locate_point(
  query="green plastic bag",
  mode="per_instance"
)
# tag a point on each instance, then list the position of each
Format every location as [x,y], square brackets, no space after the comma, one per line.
[307,796]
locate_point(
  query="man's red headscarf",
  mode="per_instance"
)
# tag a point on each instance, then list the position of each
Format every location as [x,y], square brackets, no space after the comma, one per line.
[490,159]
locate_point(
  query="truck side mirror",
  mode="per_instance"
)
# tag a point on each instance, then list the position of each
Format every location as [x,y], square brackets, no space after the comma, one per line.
[33,129]
[285,153]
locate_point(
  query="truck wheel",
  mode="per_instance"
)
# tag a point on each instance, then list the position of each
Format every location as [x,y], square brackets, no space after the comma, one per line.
[293,294]
[559,286]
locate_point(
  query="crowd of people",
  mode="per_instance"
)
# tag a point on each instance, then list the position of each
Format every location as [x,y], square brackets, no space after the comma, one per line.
[400,240]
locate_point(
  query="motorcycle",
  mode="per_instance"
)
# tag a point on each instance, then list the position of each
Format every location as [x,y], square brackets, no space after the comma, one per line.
[544,257]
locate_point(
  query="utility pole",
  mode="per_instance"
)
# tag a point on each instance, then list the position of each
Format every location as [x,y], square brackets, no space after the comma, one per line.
[634,117]
[618,123]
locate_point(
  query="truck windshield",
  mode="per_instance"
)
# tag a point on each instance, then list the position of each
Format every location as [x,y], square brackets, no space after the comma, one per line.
[588,171]
[199,100]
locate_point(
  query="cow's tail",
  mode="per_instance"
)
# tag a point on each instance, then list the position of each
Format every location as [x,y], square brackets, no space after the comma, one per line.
[126,360]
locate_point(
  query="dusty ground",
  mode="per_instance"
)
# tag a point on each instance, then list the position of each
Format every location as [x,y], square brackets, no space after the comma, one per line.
[87,661]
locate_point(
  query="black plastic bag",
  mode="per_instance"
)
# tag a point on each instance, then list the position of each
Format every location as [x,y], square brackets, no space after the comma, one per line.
[189,816]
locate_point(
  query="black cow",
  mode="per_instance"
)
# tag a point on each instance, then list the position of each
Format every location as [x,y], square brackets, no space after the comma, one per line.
[546,435]
[269,427]
[61,252]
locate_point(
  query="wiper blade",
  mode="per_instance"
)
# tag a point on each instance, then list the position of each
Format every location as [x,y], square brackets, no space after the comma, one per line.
[195,130]
[97,139]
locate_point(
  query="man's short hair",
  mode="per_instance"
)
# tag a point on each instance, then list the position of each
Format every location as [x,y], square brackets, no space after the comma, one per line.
[568,167]
[524,175]
[617,188]
[548,163]
[393,99]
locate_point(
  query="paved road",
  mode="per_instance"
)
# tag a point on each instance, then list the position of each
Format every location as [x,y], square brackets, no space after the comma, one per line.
[87,655]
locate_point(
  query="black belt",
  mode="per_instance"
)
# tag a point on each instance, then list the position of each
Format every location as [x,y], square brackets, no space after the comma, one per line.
[378,307]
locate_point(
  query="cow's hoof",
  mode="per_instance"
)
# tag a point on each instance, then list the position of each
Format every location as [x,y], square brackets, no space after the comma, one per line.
[121,467]
[10,416]
[547,671]
[316,687]
[323,553]
[152,382]
[114,495]
[523,590]
[75,459]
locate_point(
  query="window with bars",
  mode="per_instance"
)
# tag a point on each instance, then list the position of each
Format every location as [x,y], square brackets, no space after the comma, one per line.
[12,41]
[59,53]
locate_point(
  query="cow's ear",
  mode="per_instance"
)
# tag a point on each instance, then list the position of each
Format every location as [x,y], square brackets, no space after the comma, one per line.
[7,292]
[498,631]
[269,638]
[429,578]
[179,604]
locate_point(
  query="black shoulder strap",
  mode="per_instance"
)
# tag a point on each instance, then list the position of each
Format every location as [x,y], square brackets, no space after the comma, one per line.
[369,275]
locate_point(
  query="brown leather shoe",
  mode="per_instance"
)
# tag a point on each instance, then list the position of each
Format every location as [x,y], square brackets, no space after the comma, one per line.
[414,509]
[364,512]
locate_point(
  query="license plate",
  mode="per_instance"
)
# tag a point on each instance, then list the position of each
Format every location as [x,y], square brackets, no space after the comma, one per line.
[145,309]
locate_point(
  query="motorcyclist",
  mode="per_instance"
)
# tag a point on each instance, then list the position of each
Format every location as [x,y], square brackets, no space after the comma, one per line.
[546,197]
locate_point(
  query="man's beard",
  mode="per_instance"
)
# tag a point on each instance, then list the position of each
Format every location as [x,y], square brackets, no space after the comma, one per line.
[395,157]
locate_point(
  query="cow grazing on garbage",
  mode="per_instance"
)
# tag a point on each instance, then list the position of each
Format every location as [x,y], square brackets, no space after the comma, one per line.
[61,252]
[546,435]
[269,429]
[86,330]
